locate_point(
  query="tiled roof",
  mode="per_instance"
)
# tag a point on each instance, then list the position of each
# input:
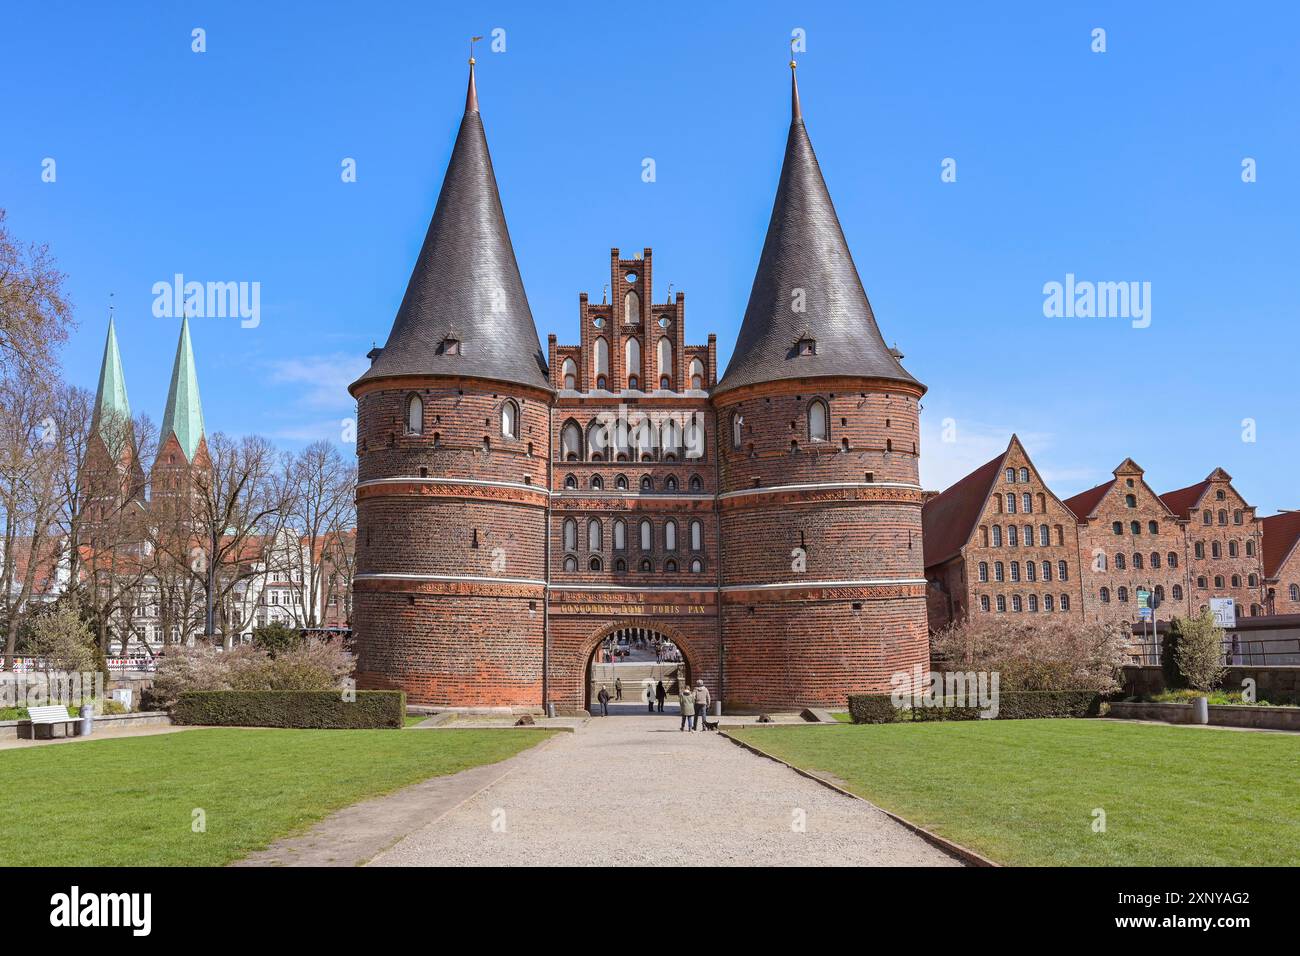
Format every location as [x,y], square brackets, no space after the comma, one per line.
[466,284]
[806,260]
[1281,532]
[948,519]
[1084,502]
[1182,501]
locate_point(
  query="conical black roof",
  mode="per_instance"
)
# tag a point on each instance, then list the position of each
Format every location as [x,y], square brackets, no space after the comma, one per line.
[465,286]
[806,261]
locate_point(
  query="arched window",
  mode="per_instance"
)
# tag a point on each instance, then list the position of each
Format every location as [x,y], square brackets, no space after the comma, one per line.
[598,442]
[632,361]
[1065,602]
[693,437]
[1160,594]
[1031,571]
[697,536]
[414,415]
[1011,503]
[1130,501]
[597,482]
[647,483]
[570,535]
[1024,474]
[647,532]
[1177,592]
[670,565]
[737,423]
[571,482]
[997,536]
[600,357]
[999,571]
[1122,595]
[595,563]
[569,370]
[1002,603]
[696,484]
[1047,570]
[620,566]
[697,374]
[1013,536]
[1047,603]
[1250,548]
[620,483]
[984,603]
[1232,549]
[510,420]
[620,535]
[1153,527]
[1137,561]
[1011,476]
[631,308]
[665,348]
[647,565]
[696,566]
[1155,560]
[1062,571]
[1295,592]
[670,483]
[571,441]
[1120,563]
[1044,536]
[1027,503]
[818,421]
[670,441]
[1033,604]
[984,571]
[594,536]
[570,563]
[670,535]
[1172,559]
[1105,595]
[643,438]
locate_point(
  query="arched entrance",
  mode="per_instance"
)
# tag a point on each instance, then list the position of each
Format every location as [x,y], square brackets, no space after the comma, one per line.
[628,660]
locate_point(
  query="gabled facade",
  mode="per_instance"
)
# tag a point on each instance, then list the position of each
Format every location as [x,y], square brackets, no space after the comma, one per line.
[1130,540]
[1000,542]
[1224,543]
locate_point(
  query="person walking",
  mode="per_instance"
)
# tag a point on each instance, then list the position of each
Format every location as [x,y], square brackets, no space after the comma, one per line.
[661,692]
[648,692]
[618,688]
[686,704]
[701,703]
[603,697]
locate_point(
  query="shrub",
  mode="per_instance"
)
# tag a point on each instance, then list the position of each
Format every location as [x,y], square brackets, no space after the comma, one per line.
[311,665]
[872,709]
[292,708]
[61,634]
[277,637]
[1035,654]
[1198,652]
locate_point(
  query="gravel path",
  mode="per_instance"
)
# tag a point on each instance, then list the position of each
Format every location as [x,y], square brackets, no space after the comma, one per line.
[633,790]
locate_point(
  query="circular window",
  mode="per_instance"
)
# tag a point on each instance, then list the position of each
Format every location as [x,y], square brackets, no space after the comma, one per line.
[598,322]
[631,277]
[663,321]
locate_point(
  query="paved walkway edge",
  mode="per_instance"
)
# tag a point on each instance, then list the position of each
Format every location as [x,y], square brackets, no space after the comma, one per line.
[966,855]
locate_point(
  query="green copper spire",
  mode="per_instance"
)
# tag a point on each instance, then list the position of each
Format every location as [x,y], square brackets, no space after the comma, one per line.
[184,415]
[112,409]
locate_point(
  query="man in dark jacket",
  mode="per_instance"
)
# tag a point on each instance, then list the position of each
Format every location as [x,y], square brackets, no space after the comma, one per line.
[661,692]
[603,697]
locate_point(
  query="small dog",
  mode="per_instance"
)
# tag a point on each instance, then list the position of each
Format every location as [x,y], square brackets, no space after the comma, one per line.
[710,726]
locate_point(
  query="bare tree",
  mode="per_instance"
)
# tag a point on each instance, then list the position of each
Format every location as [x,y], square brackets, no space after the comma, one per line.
[35,315]
[240,501]
[318,499]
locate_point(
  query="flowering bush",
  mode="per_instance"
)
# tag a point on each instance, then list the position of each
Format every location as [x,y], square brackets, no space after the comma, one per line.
[1035,654]
[312,665]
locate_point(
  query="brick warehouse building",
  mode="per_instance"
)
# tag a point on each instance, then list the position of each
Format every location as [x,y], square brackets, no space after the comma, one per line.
[515,508]
[1185,546]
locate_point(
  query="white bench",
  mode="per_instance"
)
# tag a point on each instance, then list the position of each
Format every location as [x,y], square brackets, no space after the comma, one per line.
[49,717]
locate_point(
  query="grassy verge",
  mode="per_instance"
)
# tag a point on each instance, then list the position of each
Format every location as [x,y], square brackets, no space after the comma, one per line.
[133,802]
[1026,792]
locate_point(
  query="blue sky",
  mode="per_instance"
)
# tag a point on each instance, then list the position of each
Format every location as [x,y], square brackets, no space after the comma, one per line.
[1117,166]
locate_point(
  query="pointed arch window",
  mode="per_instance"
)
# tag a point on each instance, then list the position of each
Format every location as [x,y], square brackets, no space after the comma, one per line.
[600,357]
[670,535]
[818,421]
[697,535]
[697,374]
[594,535]
[414,415]
[632,361]
[670,440]
[510,420]
[570,535]
[737,425]
[647,532]
[665,356]
[631,308]
[570,563]
[620,535]
[571,441]
[570,373]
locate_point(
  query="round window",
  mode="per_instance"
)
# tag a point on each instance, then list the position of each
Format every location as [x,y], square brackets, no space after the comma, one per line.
[598,322]
[630,277]
[663,321]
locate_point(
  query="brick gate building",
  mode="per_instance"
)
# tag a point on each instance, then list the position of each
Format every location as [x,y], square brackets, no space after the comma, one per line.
[515,508]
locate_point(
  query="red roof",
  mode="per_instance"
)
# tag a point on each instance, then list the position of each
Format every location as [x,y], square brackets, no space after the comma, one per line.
[1182,501]
[1084,502]
[1281,532]
[949,519]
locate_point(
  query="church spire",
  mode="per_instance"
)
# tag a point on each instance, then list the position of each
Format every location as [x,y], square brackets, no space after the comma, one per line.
[808,315]
[465,313]
[471,95]
[112,409]
[183,416]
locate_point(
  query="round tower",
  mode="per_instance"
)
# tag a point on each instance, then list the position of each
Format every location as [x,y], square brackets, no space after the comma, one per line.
[823,579]
[453,440]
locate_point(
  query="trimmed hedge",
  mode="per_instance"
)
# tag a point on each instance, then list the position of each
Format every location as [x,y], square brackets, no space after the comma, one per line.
[1012,705]
[291,708]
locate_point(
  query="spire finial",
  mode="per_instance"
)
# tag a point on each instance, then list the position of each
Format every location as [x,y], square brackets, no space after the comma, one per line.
[796,112]
[471,97]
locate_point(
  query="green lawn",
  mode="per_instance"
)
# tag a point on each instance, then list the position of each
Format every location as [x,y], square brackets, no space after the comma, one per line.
[1023,792]
[130,802]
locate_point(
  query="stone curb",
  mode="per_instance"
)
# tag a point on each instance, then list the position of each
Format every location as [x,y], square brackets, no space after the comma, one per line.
[967,856]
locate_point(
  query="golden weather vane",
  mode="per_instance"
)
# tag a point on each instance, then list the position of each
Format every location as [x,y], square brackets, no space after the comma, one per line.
[472,41]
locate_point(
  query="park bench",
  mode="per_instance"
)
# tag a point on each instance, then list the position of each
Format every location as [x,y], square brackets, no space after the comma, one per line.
[49,716]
